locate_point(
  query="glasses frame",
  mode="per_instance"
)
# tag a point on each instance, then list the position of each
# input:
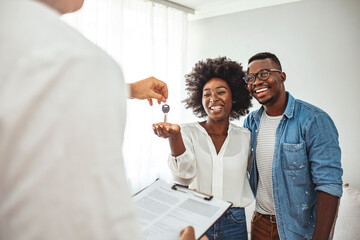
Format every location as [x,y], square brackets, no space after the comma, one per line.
[256,75]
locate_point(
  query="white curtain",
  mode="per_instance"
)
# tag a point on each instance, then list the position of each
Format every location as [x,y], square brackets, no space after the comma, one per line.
[146,39]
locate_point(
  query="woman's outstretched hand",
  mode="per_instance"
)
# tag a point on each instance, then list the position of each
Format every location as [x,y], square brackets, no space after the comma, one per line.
[166,130]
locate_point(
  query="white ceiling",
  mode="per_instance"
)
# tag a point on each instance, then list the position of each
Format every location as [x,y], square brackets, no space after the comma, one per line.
[212,8]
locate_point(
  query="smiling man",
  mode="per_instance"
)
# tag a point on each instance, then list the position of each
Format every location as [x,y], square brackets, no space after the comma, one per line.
[295,172]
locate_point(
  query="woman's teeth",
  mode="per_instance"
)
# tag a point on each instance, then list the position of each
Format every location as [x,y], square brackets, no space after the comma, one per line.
[215,107]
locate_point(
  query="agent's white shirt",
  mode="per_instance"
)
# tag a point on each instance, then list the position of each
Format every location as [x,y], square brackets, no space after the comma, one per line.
[62,118]
[222,175]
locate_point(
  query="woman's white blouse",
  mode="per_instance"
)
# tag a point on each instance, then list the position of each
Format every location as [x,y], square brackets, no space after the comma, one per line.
[222,175]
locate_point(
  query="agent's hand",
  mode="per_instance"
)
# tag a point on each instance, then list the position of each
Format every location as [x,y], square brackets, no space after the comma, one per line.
[188,233]
[166,130]
[149,88]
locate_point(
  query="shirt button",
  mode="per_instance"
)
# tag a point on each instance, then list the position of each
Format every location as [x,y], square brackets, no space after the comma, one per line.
[252,149]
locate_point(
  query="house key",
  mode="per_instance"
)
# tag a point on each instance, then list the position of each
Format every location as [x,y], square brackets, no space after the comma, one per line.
[165,108]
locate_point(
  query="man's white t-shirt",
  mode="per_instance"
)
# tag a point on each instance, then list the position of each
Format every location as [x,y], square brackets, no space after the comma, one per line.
[264,157]
[62,119]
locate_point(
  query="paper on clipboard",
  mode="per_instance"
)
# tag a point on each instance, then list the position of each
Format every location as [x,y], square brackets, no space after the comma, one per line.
[164,210]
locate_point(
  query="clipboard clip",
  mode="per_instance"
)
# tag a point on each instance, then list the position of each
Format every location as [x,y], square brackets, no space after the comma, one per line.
[185,189]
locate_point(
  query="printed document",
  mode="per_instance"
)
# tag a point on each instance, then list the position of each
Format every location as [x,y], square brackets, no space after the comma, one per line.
[164,211]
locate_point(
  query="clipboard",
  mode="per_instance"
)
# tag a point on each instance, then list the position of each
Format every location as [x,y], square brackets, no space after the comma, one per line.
[185,189]
[165,209]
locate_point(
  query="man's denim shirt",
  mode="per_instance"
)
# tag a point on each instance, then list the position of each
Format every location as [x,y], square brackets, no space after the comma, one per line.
[306,160]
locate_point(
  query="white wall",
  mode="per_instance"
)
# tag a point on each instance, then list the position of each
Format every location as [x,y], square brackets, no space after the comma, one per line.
[317,42]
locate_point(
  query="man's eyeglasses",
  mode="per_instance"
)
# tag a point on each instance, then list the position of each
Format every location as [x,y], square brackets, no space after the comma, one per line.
[263,74]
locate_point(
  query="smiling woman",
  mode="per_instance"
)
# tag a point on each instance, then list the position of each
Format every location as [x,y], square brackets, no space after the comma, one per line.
[202,154]
[217,99]
[223,68]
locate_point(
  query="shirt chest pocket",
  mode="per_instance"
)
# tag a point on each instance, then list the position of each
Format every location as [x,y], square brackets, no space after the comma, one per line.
[293,156]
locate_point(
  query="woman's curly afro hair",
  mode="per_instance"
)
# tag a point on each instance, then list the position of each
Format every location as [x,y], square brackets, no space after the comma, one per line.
[226,69]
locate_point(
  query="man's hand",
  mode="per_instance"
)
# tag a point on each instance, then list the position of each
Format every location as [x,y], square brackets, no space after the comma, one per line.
[188,233]
[149,88]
